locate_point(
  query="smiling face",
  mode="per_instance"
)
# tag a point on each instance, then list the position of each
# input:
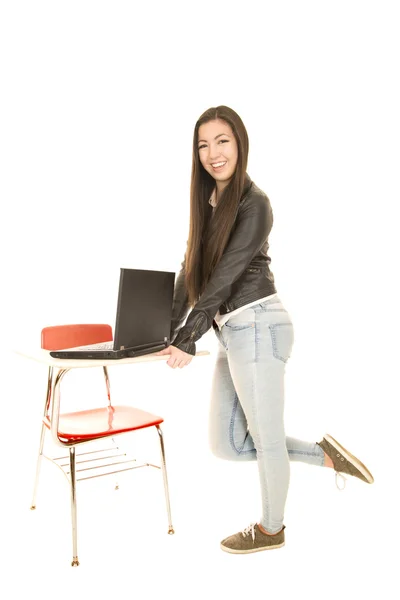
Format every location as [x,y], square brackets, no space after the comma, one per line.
[218,151]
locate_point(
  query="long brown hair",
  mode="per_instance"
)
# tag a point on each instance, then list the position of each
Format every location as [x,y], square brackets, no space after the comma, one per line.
[208,237]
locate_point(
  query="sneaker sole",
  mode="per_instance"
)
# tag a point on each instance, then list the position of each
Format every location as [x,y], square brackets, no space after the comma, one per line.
[350,457]
[231,551]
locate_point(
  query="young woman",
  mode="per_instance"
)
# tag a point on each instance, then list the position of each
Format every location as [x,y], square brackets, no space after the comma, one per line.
[227,281]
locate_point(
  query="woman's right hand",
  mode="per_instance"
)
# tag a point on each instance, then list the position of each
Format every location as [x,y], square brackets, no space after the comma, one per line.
[178,358]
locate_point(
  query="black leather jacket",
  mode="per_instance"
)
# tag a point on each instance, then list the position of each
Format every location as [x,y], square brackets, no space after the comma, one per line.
[241,276]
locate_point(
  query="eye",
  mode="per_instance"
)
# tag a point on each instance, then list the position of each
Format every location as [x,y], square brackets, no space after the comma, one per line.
[220,142]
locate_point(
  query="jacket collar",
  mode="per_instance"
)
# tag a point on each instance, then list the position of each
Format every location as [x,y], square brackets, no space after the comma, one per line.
[212,200]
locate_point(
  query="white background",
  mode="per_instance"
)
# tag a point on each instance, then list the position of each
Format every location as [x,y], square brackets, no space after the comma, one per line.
[98,106]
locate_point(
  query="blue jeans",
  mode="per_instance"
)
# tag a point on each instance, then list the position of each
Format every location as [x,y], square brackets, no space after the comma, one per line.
[247,402]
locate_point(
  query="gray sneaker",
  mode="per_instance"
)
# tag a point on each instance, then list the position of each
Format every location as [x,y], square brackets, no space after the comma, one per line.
[252,539]
[344,461]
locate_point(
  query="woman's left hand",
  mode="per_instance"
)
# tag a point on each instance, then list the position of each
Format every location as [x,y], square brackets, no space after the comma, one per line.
[178,358]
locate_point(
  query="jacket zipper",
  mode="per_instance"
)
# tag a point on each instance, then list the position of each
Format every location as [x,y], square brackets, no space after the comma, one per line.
[196,327]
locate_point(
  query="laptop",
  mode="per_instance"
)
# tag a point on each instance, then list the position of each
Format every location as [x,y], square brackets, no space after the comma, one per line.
[143,320]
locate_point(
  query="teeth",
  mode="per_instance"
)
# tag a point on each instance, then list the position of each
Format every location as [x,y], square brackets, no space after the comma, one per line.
[219,164]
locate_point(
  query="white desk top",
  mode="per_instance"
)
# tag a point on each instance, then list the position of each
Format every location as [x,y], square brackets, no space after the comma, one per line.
[43,356]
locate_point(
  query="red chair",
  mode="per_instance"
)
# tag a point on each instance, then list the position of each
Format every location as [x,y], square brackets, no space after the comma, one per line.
[70,430]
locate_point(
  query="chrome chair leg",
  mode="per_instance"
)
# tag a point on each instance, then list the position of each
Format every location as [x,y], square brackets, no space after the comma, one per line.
[42,434]
[107,379]
[38,465]
[165,478]
[75,561]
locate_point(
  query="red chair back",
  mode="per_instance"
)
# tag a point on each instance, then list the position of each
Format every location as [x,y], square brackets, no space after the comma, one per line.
[70,336]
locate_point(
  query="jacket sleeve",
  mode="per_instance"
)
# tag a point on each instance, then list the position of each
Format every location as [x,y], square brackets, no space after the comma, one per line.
[253,225]
[180,305]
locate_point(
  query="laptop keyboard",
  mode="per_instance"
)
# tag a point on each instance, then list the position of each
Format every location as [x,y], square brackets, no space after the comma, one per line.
[101,346]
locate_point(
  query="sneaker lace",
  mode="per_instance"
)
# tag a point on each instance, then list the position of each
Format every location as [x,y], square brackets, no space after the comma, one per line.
[249,529]
[337,474]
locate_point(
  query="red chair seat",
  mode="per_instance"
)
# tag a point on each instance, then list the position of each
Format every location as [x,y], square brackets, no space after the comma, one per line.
[101,422]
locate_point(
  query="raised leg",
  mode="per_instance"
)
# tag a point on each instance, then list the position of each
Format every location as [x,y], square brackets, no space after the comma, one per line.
[165,478]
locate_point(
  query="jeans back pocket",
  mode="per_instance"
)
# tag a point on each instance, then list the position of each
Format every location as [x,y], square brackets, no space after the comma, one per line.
[282,337]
